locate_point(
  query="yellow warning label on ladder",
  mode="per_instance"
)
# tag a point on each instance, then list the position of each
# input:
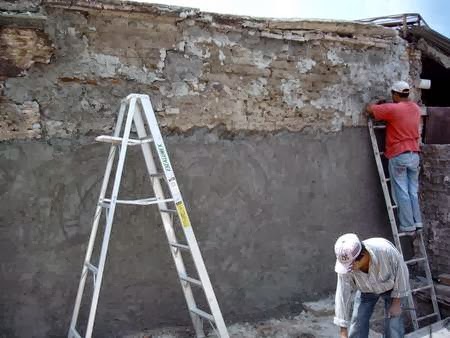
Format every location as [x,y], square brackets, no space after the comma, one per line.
[182,213]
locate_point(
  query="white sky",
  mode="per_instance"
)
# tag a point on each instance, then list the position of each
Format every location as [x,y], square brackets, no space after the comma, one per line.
[435,12]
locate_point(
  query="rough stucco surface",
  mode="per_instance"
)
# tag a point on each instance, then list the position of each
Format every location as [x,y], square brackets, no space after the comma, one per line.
[266,211]
[435,187]
[262,119]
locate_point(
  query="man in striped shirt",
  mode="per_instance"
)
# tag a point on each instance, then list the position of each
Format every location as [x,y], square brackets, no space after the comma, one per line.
[374,269]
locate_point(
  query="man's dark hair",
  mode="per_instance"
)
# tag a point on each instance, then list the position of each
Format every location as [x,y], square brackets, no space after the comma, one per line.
[361,254]
[402,95]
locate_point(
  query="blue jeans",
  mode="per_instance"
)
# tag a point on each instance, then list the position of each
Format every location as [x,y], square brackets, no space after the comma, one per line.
[404,174]
[362,311]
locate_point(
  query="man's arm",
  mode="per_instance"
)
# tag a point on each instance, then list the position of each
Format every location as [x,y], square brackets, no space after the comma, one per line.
[380,111]
[343,332]
[400,288]
[345,287]
[369,110]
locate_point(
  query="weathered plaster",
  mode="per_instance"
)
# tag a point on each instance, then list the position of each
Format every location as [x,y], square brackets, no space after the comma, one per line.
[22,5]
[207,70]
[20,121]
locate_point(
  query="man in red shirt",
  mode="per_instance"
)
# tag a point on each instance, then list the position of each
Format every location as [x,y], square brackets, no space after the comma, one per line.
[402,149]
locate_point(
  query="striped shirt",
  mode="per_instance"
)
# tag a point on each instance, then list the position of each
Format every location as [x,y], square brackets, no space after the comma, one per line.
[387,271]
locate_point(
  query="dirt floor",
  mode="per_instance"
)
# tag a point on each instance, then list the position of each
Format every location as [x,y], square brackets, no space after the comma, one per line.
[316,321]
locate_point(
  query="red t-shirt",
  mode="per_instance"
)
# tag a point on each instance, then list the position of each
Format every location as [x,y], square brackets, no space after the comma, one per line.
[402,126]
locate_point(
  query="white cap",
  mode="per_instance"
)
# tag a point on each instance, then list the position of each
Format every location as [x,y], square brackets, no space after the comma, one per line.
[347,248]
[400,87]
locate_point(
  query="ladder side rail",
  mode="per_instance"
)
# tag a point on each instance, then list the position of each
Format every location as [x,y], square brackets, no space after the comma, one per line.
[387,198]
[207,286]
[184,218]
[98,211]
[167,221]
[412,305]
[110,217]
[429,276]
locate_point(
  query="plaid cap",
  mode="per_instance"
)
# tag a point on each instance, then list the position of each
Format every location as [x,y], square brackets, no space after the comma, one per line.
[347,248]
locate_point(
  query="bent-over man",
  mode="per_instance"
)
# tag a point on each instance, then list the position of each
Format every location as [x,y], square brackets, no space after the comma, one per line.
[374,269]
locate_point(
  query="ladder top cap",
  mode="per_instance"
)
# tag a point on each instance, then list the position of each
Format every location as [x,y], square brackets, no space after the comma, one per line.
[136,96]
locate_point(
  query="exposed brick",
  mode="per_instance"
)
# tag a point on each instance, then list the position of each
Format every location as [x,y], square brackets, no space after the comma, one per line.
[21,47]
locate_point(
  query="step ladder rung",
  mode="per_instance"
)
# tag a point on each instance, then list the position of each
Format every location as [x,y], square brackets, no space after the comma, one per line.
[415,260]
[143,201]
[74,333]
[421,288]
[180,246]
[202,314]
[427,316]
[169,211]
[379,126]
[104,205]
[92,268]
[191,280]
[156,175]
[118,140]
[387,179]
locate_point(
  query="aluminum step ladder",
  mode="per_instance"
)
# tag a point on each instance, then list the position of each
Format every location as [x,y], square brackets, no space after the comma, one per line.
[137,110]
[422,257]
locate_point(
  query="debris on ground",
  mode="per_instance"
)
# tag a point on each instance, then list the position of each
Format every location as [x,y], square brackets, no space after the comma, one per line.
[316,321]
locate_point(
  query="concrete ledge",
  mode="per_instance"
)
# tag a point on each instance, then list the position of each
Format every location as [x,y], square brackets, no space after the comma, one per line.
[118,5]
[341,28]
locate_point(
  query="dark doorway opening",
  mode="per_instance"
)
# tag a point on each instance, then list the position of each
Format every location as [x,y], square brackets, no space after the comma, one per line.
[437,101]
[438,95]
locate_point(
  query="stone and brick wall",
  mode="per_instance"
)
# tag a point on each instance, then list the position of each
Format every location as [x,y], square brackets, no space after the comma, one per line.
[201,70]
[435,202]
